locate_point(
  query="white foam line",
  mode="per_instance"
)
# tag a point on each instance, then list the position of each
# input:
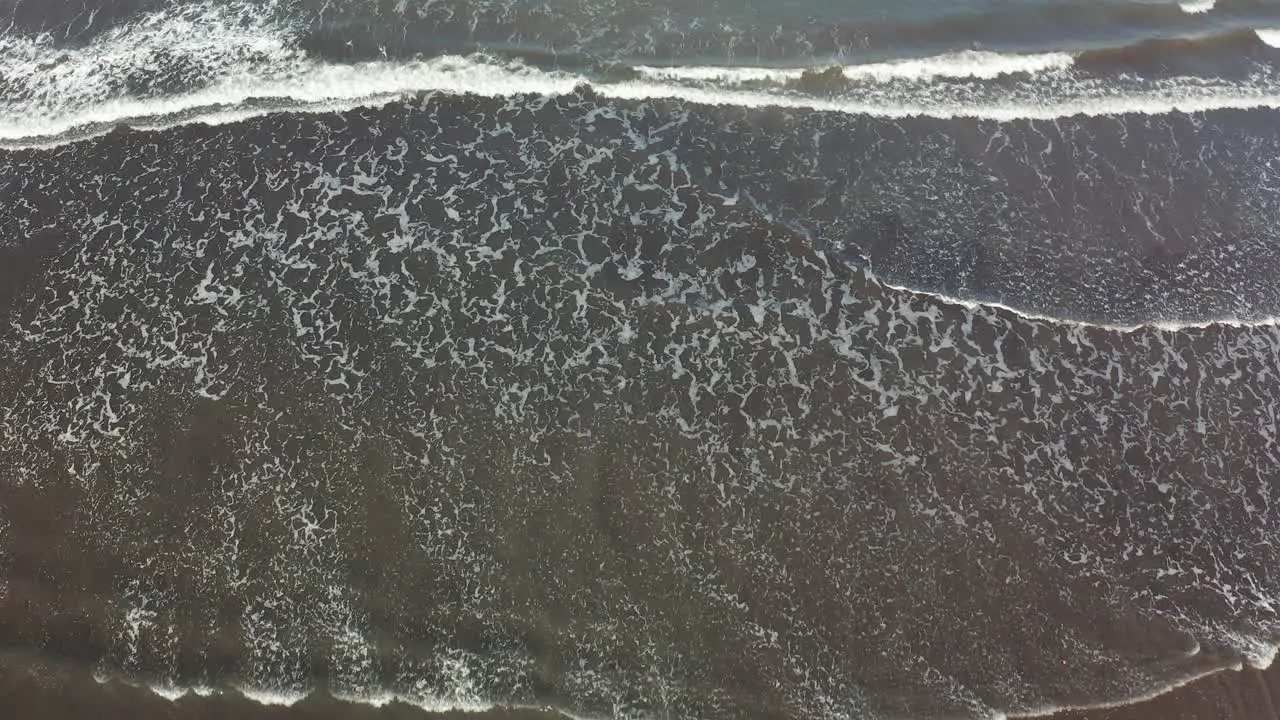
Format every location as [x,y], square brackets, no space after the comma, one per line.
[1196,7]
[334,86]
[240,53]
[173,694]
[1194,98]
[441,705]
[1144,697]
[1270,36]
[716,73]
[968,64]
[266,697]
[280,698]
[1266,322]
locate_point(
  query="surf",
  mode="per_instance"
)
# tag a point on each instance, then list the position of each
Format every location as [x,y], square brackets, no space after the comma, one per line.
[215,64]
[317,87]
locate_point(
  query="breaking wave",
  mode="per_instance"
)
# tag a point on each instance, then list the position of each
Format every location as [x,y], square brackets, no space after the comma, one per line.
[214,63]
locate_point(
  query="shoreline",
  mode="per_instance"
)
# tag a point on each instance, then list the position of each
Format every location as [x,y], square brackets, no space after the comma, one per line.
[1243,694]
[44,692]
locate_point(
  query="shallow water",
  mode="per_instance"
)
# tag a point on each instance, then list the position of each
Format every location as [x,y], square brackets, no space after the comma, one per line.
[543,355]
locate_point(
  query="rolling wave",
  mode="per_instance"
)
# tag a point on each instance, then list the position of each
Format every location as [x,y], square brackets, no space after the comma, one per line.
[337,88]
[212,63]
[968,64]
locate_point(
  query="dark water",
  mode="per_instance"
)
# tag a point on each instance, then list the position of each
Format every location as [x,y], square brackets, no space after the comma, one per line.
[642,364]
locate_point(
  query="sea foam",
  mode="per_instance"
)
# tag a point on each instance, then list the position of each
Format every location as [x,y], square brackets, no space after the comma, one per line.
[965,64]
[1196,7]
[283,698]
[322,87]
[220,63]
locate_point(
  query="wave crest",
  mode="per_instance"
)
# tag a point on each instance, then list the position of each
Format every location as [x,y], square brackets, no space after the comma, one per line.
[214,63]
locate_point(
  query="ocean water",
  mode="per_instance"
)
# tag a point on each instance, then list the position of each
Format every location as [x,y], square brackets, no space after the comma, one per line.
[641,360]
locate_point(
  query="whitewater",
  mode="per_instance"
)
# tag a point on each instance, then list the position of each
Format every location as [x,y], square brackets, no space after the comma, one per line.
[217,64]
[477,704]
[329,277]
